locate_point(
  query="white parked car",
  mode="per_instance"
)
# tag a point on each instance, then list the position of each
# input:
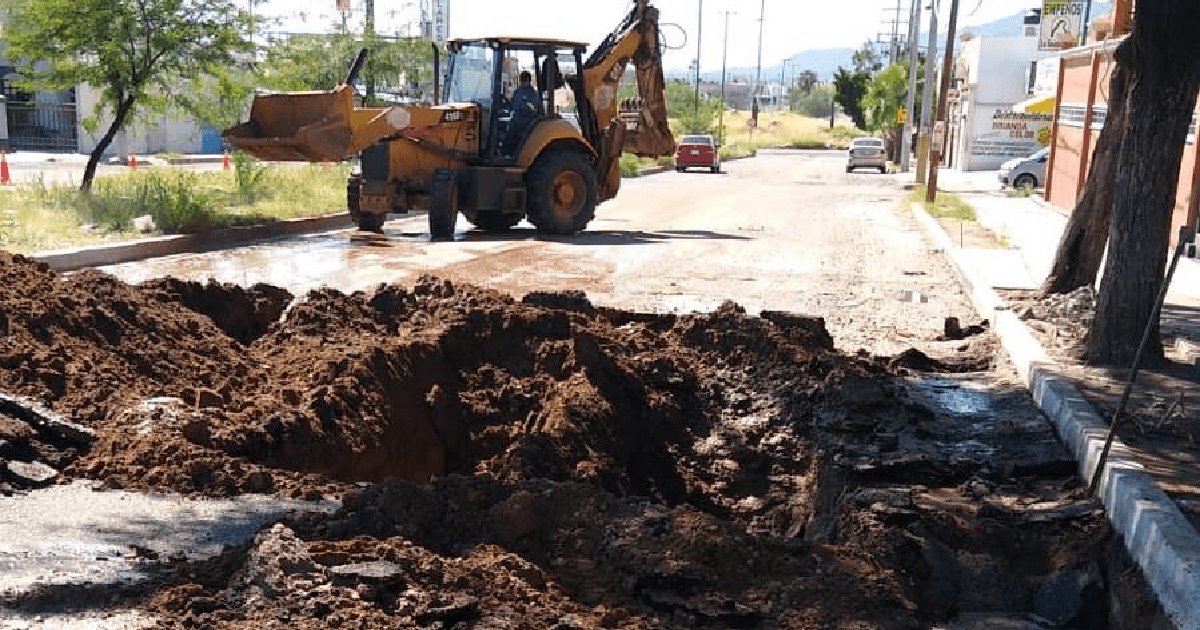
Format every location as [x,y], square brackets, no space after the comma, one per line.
[867,153]
[1026,172]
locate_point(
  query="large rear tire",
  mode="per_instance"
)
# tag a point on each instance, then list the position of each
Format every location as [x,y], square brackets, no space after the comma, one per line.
[443,205]
[561,191]
[365,222]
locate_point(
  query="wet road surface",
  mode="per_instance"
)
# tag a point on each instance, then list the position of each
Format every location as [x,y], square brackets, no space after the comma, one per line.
[786,231]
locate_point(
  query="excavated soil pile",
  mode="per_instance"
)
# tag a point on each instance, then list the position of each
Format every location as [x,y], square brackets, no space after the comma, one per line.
[188,390]
[544,463]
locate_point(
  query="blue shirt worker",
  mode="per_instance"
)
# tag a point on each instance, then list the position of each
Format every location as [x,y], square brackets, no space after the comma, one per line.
[526,108]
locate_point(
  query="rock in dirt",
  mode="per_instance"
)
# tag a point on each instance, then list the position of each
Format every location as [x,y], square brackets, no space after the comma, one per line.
[31,474]
[375,572]
[954,331]
[38,416]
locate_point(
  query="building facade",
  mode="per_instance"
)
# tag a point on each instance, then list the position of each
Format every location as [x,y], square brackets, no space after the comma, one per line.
[993,76]
[1082,107]
[1081,111]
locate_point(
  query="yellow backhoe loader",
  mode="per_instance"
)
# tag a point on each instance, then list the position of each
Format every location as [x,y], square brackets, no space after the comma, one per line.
[468,153]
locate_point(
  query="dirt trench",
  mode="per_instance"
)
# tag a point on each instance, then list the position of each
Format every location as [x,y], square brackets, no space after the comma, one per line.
[545,463]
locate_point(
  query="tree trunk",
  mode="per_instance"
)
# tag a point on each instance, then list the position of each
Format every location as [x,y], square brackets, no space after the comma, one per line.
[124,106]
[1163,57]
[1081,249]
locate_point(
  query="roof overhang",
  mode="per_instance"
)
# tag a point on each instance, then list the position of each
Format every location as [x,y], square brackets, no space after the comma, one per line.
[1036,105]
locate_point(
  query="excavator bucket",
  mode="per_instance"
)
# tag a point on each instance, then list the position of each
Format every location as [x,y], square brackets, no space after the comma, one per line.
[297,126]
[318,126]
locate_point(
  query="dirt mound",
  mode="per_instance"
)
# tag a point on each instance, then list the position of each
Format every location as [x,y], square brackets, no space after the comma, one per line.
[196,388]
[86,344]
[243,314]
[543,463]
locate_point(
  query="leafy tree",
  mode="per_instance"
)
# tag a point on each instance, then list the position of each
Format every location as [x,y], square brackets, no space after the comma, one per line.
[806,81]
[851,86]
[319,62]
[681,105]
[867,59]
[1162,56]
[137,52]
[816,102]
[884,97]
[1081,246]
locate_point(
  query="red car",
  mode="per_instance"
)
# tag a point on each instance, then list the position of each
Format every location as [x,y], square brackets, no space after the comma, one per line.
[697,151]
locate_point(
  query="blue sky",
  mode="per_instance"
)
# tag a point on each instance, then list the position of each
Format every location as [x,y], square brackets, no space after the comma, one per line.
[790,26]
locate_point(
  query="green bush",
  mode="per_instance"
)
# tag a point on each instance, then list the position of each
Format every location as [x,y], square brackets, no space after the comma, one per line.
[173,198]
[249,177]
[631,166]
[807,142]
[947,206]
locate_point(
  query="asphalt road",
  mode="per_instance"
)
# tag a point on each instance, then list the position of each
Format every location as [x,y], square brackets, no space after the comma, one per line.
[787,230]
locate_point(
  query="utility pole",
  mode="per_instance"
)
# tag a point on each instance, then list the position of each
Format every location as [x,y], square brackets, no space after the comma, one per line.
[724,59]
[927,94]
[935,151]
[369,40]
[699,31]
[754,92]
[914,33]
[762,13]
[894,51]
[1087,16]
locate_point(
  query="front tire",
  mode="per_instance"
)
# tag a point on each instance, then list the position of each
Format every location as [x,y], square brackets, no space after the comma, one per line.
[561,192]
[365,222]
[1025,181]
[443,205]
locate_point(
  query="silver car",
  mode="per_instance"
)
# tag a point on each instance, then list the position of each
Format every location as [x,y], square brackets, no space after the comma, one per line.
[867,153]
[1026,172]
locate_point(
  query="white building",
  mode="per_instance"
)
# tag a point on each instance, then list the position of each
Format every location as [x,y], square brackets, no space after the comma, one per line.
[992,75]
[147,134]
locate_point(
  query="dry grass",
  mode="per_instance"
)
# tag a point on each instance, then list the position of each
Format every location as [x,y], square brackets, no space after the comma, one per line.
[38,217]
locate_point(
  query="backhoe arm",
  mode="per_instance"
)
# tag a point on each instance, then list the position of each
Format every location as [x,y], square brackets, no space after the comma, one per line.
[648,132]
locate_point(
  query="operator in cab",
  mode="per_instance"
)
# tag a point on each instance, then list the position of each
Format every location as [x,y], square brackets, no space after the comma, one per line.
[526,108]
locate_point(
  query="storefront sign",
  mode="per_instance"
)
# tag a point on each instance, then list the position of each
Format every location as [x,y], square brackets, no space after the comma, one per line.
[1062,24]
[1012,135]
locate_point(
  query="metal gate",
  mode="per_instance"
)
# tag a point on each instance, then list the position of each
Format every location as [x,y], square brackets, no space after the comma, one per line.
[45,121]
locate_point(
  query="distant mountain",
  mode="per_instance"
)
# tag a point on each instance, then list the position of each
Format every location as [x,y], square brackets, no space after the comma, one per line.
[826,61]
[823,62]
[1012,25]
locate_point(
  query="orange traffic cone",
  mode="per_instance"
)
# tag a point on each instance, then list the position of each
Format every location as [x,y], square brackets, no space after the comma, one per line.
[225,162]
[5,176]
[133,161]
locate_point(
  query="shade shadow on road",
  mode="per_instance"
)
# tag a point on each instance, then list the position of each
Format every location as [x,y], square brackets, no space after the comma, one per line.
[596,237]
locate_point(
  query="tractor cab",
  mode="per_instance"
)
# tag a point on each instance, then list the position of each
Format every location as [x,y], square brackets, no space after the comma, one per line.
[486,73]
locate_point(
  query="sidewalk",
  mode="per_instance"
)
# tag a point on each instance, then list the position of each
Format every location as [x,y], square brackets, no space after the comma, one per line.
[1150,486]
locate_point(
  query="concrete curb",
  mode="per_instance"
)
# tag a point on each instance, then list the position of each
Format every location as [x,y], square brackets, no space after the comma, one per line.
[83,257]
[1158,536]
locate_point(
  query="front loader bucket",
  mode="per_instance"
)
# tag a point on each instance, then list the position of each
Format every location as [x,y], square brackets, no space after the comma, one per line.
[297,126]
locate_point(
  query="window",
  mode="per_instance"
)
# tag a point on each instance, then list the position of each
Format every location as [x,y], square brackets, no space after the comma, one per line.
[471,75]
